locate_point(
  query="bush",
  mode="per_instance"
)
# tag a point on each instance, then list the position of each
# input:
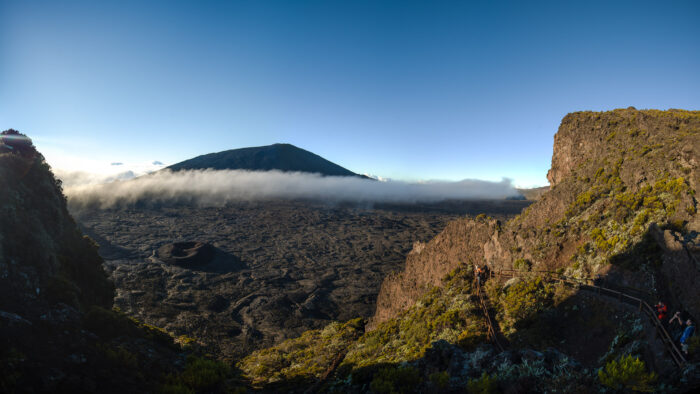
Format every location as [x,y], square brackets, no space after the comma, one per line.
[484,385]
[440,379]
[60,289]
[303,358]
[627,373]
[109,324]
[523,300]
[10,364]
[522,265]
[395,380]
[201,374]
[119,356]
[694,346]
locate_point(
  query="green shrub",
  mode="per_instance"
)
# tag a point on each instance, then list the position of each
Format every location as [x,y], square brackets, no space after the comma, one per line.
[440,379]
[59,289]
[484,385]
[694,346]
[470,339]
[523,300]
[627,373]
[522,265]
[395,380]
[119,356]
[109,324]
[156,334]
[202,374]
[305,357]
[10,362]
[602,241]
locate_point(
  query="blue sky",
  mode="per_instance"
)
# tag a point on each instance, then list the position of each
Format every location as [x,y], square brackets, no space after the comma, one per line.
[406,90]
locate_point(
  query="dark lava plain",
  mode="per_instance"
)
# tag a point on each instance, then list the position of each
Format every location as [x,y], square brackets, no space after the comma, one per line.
[279,268]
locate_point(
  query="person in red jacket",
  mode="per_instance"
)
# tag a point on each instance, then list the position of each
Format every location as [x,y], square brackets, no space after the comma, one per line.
[661,311]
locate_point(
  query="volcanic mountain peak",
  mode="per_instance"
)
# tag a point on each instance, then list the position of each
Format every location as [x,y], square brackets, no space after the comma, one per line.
[282,157]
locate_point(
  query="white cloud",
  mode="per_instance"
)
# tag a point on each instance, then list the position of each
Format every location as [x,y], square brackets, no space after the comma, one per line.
[216,188]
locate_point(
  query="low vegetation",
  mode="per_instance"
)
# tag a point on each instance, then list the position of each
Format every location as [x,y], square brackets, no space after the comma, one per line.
[628,373]
[395,380]
[301,359]
[450,313]
[202,375]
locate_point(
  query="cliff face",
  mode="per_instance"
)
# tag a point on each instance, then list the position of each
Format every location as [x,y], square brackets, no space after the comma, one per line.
[44,259]
[57,332]
[613,175]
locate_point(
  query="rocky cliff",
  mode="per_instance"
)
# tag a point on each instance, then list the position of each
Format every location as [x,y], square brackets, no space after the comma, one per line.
[43,256]
[613,175]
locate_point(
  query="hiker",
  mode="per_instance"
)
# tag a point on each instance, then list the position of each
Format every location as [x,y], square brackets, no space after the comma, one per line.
[661,311]
[689,331]
[477,274]
[485,272]
[675,326]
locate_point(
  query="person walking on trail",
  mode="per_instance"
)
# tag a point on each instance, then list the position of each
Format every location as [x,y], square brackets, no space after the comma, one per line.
[477,274]
[661,311]
[675,326]
[485,272]
[689,331]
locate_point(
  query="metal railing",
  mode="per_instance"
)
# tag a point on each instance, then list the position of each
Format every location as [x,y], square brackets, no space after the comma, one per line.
[484,307]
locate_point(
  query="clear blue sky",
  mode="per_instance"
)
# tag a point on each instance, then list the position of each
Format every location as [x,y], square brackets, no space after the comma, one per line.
[407,90]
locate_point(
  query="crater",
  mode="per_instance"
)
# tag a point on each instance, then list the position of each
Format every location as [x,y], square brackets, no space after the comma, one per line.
[186,254]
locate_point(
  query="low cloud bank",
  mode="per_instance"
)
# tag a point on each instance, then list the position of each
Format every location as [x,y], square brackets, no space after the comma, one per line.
[216,188]
[71,179]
